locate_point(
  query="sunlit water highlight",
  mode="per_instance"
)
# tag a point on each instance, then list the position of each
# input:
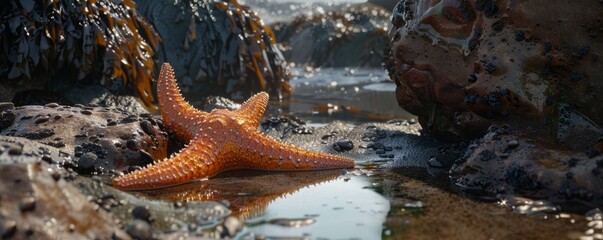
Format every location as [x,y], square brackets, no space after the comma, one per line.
[342,210]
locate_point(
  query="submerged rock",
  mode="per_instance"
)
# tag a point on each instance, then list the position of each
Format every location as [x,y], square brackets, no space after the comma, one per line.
[99,42]
[463,65]
[218,48]
[97,139]
[351,36]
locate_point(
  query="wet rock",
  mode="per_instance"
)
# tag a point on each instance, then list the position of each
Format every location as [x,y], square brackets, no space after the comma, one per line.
[140,230]
[142,213]
[530,168]
[85,163]
[27,204]
[518,73]
[218,48]
[232,226]
[92,143]
[70,210]
[343,145]
[351,36]
[110,45]
[7,228]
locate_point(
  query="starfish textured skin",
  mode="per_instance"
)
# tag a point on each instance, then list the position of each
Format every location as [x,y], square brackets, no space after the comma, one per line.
[219,141]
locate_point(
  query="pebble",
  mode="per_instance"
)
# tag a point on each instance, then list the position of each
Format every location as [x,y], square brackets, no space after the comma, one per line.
[86,112]
[86,162]
[120,235]
[292,222]
[52,105]
[55,175]
[148,128]
[513,144]
[7,228]
[133,145]
[42,119]
[232,226]
[343,145]
[142,213]
[433,162]
[15,150]
[27,204]
[139,229]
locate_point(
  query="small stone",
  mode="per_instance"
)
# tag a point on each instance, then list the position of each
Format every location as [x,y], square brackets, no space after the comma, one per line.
[380,151]
[52,105]
[120,235]
[232,226]
[434,163]
[513,144]
[15,150]
[42,119]
[139,229]
[142,213]
[133,145]
[86,162]
[520,35]
[472,78]
[343,145]
[7,228]
[47,158]
[86,112]
[55,175]
[27,204]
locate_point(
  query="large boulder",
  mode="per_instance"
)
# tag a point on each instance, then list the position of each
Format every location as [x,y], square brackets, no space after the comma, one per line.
[218,48]
[463,65]
[349,36]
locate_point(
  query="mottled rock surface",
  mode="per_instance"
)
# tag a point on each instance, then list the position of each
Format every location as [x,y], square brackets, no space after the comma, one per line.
[39,201]
[511,162]
[98,139]
[463,65]
[352,36]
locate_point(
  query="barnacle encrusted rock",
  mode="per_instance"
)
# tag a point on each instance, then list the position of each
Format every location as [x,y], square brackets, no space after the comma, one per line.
[99,139]
[462,65]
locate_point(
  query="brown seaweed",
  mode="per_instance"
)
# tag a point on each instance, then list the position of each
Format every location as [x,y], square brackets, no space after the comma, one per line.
[98,41]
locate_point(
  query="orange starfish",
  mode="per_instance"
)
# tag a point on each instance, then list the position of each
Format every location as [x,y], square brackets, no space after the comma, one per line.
[219,141]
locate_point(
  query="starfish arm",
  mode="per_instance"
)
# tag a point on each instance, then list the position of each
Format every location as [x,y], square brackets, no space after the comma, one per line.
[258,151]
[177,114]
[196,161]
[253,109]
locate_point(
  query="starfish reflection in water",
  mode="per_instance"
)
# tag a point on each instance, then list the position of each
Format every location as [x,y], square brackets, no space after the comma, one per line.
[219,141]
[248,192]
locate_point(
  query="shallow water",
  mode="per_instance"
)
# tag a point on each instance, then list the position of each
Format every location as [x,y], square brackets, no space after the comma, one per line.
[344,203]
[352,95]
